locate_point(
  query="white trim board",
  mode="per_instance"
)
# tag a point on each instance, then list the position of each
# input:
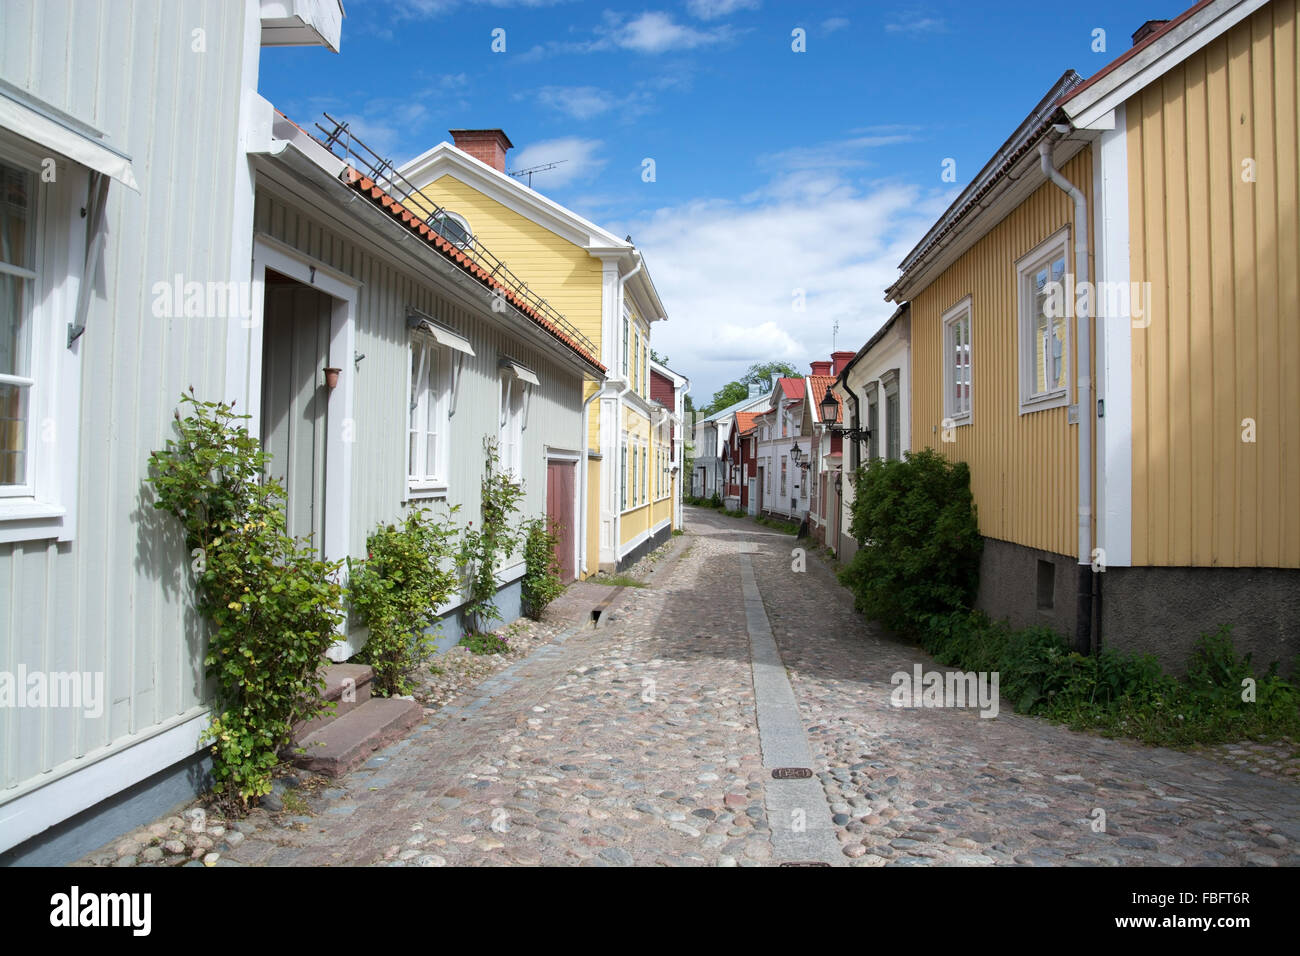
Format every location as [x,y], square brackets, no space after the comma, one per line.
[1114,361]
[1090,108]
[89,780]
[244,380]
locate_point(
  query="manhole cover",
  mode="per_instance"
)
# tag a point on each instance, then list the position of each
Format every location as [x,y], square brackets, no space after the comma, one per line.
[791,773]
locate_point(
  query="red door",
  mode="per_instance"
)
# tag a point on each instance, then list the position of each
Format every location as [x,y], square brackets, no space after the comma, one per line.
[559,508]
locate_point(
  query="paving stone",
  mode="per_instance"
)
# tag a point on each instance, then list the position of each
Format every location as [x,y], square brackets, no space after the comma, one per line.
[587,773]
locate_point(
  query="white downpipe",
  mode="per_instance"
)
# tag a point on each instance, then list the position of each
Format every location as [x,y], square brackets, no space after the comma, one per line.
[681,455]
[627,387]
[582,473]
[1083,396]
[1083,386]
[618,444]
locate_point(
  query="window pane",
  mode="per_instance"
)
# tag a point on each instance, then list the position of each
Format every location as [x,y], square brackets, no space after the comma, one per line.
[13,434]
[14,295]
[15,207]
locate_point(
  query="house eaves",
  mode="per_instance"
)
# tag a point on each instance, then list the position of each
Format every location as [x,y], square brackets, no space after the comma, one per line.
[445,159]
[843,377]
[1090,104]
[326,183]
[982,204]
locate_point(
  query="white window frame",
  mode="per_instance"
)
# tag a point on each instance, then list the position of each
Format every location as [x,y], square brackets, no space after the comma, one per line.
[459,220]
[44,506]
[954,315]
[1056,246]
[510,418]
[435,404]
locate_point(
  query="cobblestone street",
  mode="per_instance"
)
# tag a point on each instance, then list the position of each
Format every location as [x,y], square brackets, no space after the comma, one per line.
[641,740]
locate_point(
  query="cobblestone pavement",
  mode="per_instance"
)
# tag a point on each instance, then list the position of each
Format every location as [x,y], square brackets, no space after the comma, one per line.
[636,742]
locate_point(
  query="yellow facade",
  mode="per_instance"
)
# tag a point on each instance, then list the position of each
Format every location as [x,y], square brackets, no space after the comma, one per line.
[1024,468]
[570,279]
[1214,228]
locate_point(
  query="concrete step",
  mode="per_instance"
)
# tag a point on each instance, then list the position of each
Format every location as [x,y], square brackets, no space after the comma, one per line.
[348,687]
[344,743]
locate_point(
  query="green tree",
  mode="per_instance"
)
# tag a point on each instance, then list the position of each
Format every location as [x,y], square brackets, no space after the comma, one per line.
[760,373]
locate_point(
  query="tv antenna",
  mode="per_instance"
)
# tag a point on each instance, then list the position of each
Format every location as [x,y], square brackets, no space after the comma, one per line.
[521,173]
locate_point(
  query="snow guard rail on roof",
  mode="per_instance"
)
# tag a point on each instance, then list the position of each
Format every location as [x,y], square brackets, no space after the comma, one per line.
[340,141]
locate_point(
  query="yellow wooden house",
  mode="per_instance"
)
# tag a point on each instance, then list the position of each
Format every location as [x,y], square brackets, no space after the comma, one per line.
[1106,327]
[602,287]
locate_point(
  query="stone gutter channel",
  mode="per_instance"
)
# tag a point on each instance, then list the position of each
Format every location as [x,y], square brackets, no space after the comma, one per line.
[797,812]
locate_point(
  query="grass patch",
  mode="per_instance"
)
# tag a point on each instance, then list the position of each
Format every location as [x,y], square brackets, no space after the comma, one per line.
[484,644]
[777,524]
[1224,698]
[618,580]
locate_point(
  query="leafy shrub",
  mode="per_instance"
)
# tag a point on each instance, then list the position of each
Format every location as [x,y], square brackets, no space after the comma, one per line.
[1119,694]
[482,549]
[396,592]
[715,501]
[274,607]
[919,540]
[541,584]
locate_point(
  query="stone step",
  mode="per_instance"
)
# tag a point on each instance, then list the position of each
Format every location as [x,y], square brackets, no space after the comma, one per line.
[344,743]
[350,680]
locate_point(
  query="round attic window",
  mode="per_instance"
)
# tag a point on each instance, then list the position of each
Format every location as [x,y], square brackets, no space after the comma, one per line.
[452,227]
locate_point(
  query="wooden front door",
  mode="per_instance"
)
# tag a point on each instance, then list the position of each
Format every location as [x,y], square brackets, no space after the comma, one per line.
[560,477]
[295,350]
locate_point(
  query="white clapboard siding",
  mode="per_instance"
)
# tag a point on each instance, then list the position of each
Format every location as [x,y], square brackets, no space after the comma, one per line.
[379,454]
[114,599]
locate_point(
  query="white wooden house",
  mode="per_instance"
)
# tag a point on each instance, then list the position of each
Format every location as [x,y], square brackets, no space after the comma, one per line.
[225,249]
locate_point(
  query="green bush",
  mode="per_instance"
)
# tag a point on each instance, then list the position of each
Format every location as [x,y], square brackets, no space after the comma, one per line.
[541,584]
[1120,694]
[715,501]
[275,608]
[396,591]
[919,542]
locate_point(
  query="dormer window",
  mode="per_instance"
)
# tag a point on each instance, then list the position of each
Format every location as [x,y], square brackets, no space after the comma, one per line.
[453,227]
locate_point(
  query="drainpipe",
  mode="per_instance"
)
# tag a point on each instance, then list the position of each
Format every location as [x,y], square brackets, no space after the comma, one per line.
[1083,617]
[681,457]
[582,475]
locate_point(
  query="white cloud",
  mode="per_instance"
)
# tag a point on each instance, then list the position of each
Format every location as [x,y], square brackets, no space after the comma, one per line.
[579,160]
[657,32]
[713,9]
[652,32]
[730,273]
[427,9]
[587,102]
[580,102]
[915,23]
[832,24]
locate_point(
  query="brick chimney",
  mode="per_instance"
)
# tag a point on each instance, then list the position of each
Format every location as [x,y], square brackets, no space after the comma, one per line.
[487,145]
[1148,28]
[821,368]
[841,359]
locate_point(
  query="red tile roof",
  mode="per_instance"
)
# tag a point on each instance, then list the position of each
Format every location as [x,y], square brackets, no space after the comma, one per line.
[745,422]
[414,222]
[793,387]
[818,385]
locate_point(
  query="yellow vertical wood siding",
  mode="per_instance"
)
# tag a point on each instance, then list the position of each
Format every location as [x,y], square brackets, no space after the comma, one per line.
[563,274]
[1024,468]
[1222,255]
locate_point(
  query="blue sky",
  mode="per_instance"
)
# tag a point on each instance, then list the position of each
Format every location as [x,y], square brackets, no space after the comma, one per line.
[775,171]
